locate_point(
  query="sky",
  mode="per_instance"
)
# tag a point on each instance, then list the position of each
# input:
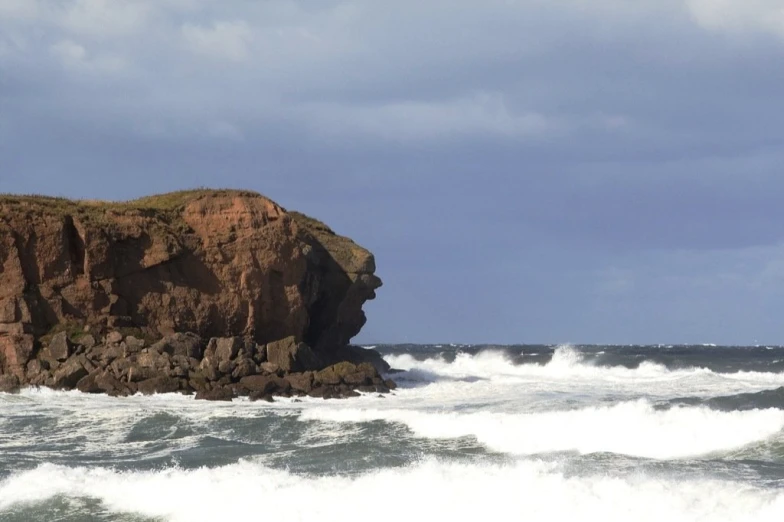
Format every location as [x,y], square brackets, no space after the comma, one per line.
[584,171]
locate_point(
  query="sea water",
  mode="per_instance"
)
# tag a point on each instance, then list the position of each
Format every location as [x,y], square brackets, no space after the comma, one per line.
[626,433]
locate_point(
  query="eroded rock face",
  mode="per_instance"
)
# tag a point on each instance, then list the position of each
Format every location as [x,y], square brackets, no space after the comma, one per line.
[205,263]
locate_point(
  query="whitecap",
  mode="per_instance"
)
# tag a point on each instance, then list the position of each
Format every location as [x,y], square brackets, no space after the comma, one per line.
[629,428]
[428,490]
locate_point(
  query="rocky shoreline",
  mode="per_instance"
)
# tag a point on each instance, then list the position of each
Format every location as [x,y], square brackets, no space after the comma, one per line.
[221,293]
[213,369]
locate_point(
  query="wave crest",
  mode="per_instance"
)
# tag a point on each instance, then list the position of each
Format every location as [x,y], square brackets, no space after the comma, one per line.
[429,490]
[567,364]
[629,428]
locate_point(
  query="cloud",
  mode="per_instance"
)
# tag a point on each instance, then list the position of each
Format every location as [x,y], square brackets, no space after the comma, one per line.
[75,57]
[579,151]
[19,9]
[222,40]
[108,18]
[483,114]
[225,131]
[739,17]
[69,51]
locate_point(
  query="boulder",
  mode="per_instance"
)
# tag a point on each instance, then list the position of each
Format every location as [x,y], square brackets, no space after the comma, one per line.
[70,373]
[37,372]
[243,368]
[217,394]
[265,384]
[358,355]
[226,367]
[159,361]
[133,344]
[333,375]
[325,392]
[100,381]
[364,374]
[137,373]
[258,396]
[114,338]
[346,391]
[9,383]
[268,367]
[87,383]
[292,356]
[106,354]
[120,368]
[87,340]
[15,351]
[197,382]
[109,384]
[162,384]
[301,382]
[260,355]
[60,347]
[181,344]
[209,369]
[223,348]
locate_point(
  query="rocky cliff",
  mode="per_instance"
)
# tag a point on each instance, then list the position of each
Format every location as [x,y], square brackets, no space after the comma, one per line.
[217,264]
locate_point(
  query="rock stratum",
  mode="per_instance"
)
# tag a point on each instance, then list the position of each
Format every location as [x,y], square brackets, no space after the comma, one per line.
[221,293]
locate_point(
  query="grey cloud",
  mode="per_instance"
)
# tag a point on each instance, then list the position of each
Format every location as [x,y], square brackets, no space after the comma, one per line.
[514,165]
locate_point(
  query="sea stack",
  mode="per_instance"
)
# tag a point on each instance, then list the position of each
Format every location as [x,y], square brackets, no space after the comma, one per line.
[217,292]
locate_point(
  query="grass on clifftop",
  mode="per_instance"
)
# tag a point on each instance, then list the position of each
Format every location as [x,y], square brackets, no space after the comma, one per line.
[92,208]
[169,203]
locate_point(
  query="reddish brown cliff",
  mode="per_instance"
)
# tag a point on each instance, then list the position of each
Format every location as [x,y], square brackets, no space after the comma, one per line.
[215,263]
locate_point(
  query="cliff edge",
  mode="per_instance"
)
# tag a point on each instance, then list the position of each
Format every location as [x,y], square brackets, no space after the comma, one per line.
[216,264]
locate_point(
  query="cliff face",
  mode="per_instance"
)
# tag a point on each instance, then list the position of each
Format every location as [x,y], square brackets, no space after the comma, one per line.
[216,263]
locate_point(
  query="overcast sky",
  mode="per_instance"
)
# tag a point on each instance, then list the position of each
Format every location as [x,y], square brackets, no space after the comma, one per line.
[603,171]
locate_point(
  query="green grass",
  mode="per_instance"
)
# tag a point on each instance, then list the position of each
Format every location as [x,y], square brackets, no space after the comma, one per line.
[96,210]
[177,200]
[310,223]
[168,201]
[74,330]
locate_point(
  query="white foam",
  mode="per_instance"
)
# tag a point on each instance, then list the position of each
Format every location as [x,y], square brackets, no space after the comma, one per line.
[429,490]
[568,371]
[99,424]
[630,428]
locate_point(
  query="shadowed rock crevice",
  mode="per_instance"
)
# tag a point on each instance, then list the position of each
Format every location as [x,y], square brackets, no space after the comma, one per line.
[75,246]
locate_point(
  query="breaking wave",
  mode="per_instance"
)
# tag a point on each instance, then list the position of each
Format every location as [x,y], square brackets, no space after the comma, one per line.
[569,367]
[629,428]
[428,490]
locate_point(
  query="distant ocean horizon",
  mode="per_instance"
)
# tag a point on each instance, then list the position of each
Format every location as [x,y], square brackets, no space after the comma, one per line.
[520,432]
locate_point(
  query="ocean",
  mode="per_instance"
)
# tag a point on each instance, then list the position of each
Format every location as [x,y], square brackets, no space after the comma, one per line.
[530,433]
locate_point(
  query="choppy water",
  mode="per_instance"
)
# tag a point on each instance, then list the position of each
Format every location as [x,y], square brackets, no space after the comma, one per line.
[520,433]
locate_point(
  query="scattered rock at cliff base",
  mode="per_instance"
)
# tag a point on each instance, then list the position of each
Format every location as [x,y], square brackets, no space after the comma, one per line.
[228,368]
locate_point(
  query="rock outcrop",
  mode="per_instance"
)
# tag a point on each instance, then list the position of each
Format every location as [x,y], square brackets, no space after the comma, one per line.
[175,292]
